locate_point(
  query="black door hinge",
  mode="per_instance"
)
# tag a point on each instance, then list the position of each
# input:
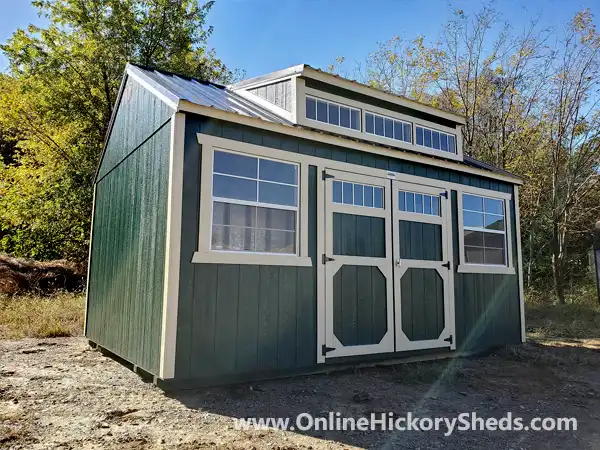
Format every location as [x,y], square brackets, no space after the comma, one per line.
[326,175]
[447,265]
[444,194]
[449,339]
[325,349]
[326,259]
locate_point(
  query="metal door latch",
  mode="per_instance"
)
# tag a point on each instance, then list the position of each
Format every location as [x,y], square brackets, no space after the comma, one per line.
[326,259]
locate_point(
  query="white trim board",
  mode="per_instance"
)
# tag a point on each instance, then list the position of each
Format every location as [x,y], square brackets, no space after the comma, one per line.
[520,264]
[172,248]
[87,283]
[186,106]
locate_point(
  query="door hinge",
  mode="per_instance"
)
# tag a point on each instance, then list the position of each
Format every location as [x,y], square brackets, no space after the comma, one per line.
[326,259]
[449,339]
[444,194]
[447,265]
[325,349]
[325,175]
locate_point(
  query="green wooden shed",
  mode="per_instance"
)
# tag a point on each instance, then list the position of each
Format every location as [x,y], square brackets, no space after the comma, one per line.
[294,223]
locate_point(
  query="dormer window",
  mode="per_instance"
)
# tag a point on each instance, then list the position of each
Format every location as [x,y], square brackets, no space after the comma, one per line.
[437,140]
[388,127]
[332,113]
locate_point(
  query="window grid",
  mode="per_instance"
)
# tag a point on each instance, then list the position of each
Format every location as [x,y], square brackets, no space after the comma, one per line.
[383,126]
[357,194]
[415,202]
[486,247]
[437,140]
[335,114]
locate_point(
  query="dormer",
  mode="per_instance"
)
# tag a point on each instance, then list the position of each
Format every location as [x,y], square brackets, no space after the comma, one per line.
[310,98]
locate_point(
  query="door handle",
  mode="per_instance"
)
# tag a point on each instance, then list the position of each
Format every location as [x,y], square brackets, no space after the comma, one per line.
[398,263]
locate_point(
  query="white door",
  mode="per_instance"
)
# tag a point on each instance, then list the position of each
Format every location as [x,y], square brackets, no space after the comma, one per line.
[358,263]
[424,306]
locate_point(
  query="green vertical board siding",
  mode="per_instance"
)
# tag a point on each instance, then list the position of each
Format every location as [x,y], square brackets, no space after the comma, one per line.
[355,235]
[359,305]
[139,114]
[422,304]
[418,240]
[128,250]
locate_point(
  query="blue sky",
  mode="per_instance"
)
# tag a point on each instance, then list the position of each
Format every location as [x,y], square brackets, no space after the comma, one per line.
[260,36]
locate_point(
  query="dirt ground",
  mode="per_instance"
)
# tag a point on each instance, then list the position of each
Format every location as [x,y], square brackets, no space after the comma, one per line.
[59,393]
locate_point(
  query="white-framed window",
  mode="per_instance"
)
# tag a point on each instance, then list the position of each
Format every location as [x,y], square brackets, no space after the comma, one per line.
[357,194]
[387,127]
[415,202]
[253,207]
[332,113]
[437,140]
[484,232]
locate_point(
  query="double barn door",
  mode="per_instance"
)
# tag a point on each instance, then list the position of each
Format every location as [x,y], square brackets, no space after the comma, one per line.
[387,266]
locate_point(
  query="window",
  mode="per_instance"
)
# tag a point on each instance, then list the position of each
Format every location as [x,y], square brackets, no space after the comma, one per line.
[332,113]
[415,202]
[254,204]
[357,194]
[437,140]
[484,228]
[387,127]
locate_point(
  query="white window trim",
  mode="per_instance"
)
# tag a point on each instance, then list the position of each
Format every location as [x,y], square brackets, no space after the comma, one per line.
[339,105]
[463,266]
[438,131]
[205,254]
[403,122]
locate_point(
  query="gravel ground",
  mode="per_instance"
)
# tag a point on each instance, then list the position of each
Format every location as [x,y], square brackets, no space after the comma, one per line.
[59,393]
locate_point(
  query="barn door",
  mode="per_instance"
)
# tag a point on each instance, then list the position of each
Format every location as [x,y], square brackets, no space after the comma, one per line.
[358,265]
[424,306]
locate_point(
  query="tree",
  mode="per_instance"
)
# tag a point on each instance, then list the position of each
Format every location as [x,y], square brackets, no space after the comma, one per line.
[59,97]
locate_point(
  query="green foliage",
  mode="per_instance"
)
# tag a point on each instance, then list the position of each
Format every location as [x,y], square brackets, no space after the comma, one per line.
[56,103]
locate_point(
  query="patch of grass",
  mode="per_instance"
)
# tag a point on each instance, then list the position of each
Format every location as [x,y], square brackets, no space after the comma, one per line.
[41,317]
[578,318]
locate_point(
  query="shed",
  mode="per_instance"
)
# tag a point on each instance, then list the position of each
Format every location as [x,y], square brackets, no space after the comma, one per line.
[294,223]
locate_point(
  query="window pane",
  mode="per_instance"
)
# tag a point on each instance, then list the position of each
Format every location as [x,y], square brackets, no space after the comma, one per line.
[436,140]
[379,126]
[407,132]
[451,144]
[277,194]
[435,205]
[321,111]
[337,192]
[347,191]
[474,255]
[334,114]
[493,222]
[369,126]
[494,240]
[269,241]
[472,202]
[494,256]
[474,238]
[419,136]
[344,117]
[232,214]
[231,187]
[427,204]
[275,219]
[398,131]
[494,206]
[419,203]
[231,238]
[311,108]
[378,200]
[233,164]
[402,200]
[368,194]
[410,202]
[444,142]
[278,171]
[389,128]
[472,219]
[354,118]
[427,138]
[358,194]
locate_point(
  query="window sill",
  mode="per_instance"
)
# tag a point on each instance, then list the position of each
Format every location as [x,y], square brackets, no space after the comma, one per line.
[482,268]
[251,259]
